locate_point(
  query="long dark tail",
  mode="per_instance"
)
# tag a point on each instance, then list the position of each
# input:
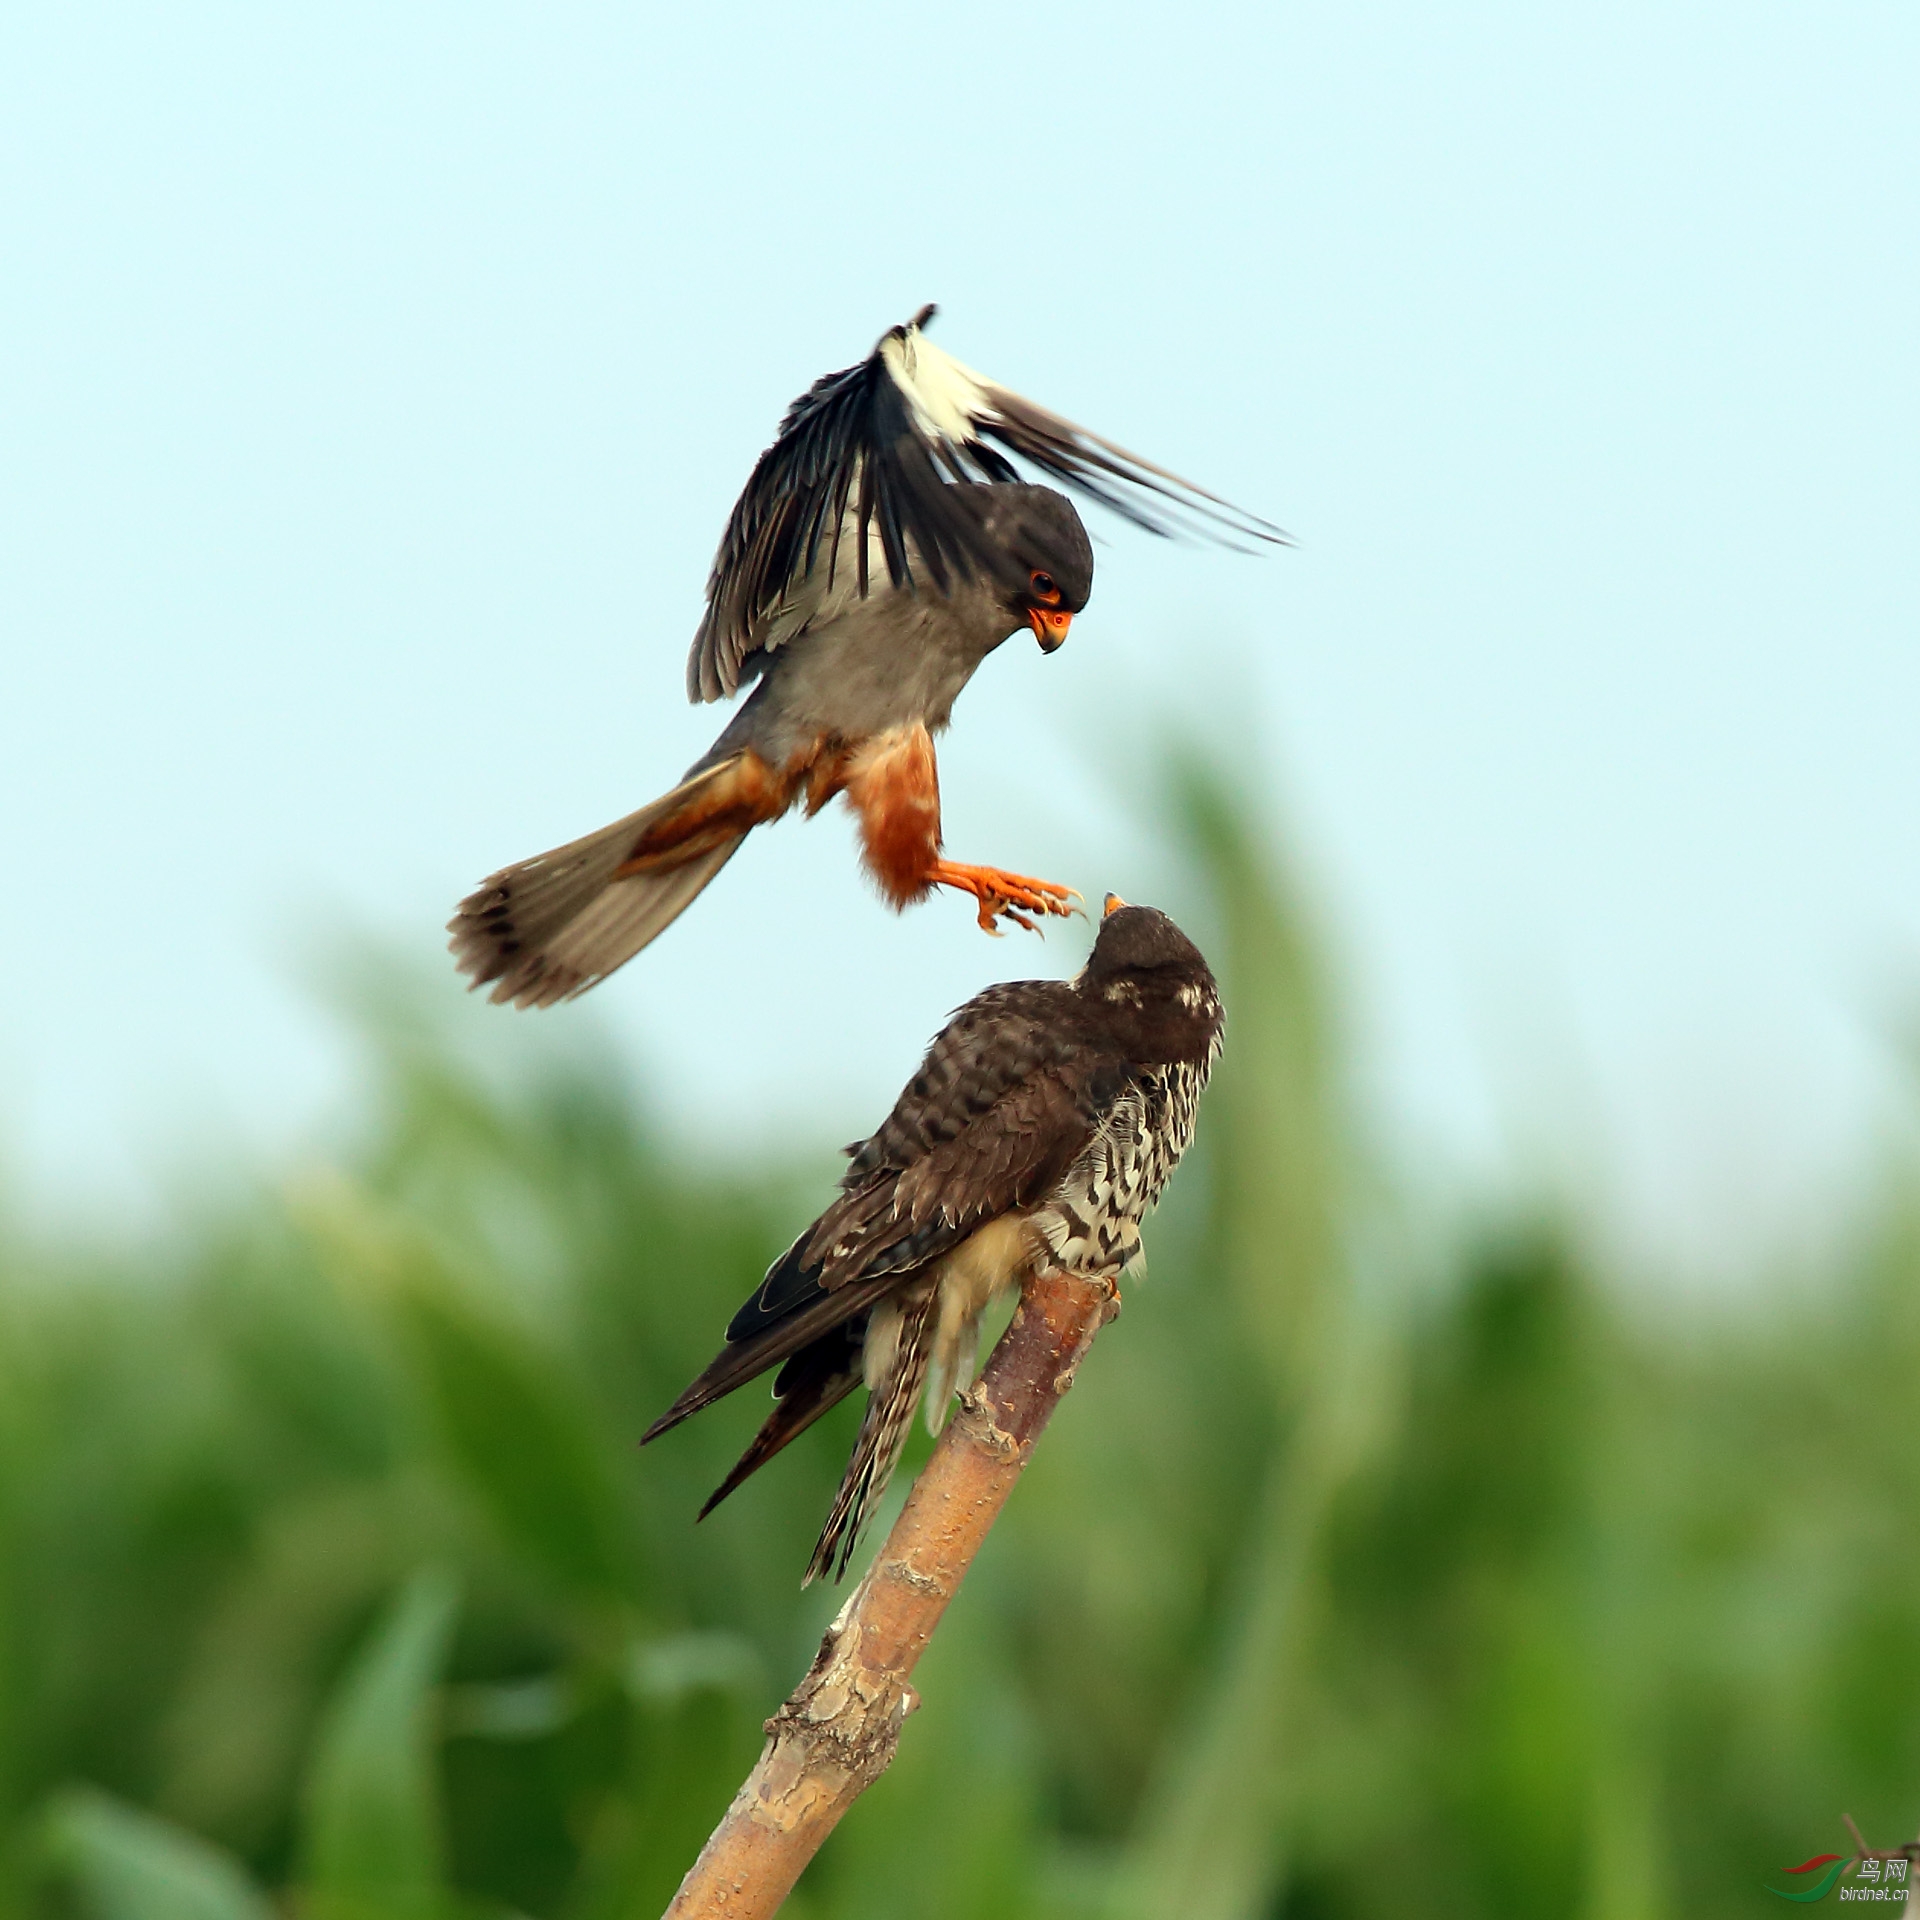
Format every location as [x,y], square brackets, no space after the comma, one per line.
[553,926]
[792,1319]
[814,1380]
[883,1429]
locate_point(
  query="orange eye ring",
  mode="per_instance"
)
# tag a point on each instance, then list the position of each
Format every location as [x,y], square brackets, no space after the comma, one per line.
[1045,589]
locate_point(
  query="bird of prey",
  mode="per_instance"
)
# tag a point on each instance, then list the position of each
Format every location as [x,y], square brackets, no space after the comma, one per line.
[1041,1127]
[884,546]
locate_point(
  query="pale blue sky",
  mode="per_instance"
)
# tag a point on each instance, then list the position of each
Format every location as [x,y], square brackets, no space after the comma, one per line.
[374,383]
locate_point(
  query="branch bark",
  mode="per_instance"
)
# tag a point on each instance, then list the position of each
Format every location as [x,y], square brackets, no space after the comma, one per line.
[837,1732]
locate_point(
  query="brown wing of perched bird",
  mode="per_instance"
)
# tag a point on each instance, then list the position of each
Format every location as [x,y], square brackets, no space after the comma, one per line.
[884,545]
[1041,1127]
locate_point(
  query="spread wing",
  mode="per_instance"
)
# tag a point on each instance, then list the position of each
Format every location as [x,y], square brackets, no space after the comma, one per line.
[999,1111]
[876,455]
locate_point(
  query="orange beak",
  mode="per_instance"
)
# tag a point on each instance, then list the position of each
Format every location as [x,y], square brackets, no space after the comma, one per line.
[1049,626]
[1112,904]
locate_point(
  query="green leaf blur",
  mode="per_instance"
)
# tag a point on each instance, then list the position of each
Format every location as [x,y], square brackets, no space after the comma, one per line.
[372,1814]
[1373,1567]
[126,1865]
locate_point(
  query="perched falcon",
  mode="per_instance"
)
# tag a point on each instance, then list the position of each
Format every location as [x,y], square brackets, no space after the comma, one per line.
[1041,1127]
[884,546]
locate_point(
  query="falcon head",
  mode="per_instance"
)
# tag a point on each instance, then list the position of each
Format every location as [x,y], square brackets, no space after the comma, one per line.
[1045,557]
[1154,984]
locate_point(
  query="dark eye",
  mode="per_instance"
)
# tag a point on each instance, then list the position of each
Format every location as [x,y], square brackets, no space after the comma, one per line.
[1045,586]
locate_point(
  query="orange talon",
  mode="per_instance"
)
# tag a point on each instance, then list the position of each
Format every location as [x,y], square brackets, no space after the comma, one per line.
[1001,894]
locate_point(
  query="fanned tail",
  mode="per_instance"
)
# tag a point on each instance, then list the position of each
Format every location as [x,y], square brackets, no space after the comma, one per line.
[883,1430]
[555,925]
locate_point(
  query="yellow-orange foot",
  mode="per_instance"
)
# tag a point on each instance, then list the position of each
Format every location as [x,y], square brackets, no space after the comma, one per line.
[1014,895]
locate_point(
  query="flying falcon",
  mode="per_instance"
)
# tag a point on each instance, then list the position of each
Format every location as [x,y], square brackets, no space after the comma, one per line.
[884,546]
[1041,1127]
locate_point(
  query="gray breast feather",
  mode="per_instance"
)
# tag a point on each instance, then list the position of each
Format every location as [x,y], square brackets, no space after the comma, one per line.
[895,659]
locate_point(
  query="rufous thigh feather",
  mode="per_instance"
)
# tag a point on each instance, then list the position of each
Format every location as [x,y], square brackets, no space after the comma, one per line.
[893,784]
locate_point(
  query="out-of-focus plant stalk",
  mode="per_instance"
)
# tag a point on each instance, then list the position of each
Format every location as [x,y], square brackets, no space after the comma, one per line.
[1212,1833]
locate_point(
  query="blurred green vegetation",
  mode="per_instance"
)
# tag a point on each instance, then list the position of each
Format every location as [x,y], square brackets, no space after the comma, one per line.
[1359,1576]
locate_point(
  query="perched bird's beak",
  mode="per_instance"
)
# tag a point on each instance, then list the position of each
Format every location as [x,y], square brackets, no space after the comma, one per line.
[1112,904]
[1049,626]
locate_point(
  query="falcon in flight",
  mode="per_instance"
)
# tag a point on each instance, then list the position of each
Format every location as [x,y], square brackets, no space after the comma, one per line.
[884,546]
[1041,1127]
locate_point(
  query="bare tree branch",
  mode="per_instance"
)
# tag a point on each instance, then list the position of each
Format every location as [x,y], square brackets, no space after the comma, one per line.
[837,1732]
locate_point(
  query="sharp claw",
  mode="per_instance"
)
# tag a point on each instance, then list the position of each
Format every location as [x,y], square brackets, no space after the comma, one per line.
[1016,898]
